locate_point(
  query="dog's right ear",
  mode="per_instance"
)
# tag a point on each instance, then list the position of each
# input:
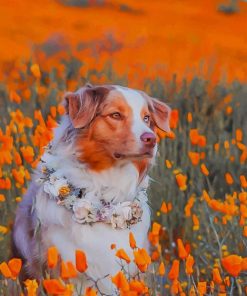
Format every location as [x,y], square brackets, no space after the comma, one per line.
[82,105]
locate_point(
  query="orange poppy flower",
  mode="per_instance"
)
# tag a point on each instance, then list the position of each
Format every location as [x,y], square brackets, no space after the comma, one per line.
[162,269]
[156,228]
[15,265]
[174,271]
[142,259]
[194,157]
[31,286]
[216,276]
[243,181]
[181,180]
[52,257]
[81,261]
[14,97]
[2,198]
[54,286]
[120,281]
[204,169]
[68,270]
[123,255]
[202,288]
[138,287]
[168,164]
[90,292]
[174,118]
[163,208]
[27,153]
[189,117]
[132,241]
[5,270]
[182,254]
[17,158]
[189,264]
[239,135]
[232,264]
[35,70]
[229,179]
[195,222]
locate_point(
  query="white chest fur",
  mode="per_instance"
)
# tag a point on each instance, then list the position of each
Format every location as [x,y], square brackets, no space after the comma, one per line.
[95,240]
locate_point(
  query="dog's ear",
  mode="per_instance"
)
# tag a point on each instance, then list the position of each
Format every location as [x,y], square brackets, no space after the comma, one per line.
[161,114]
[82,105]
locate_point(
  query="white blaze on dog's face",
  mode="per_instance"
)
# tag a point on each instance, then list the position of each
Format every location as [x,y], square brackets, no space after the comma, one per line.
[115,124]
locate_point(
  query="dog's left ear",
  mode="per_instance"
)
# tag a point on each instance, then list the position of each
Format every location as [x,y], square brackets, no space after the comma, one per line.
[161,114]
[82,105]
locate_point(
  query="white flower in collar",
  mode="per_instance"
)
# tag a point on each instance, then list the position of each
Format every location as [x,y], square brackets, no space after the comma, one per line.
[83,211]
[56,186]
[121,215]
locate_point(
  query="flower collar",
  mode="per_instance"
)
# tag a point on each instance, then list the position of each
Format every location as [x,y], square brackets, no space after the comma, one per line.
[87,211]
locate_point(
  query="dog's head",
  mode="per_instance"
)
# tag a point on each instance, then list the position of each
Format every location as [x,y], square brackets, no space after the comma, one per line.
[114,124]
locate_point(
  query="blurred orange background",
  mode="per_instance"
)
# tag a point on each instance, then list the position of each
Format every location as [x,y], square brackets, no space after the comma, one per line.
[174,36]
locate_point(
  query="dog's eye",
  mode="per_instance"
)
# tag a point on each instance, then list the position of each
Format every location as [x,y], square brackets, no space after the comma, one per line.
[116,115]
[146,118]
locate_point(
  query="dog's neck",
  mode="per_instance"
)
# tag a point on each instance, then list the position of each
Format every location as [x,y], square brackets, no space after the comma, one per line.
[122,182]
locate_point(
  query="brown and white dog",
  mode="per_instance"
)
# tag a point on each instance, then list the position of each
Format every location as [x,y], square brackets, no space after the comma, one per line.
[104,144]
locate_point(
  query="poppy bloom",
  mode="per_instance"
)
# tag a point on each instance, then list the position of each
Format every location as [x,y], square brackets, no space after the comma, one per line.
[54,286]
[195,222]
[232,264]
[243,181]
[132,241]
[216,276]
[156,228]
[12,268]
[174,271]
[81,261]
[182,253]
[174,118]
[204,169]
[31,286]
[15,265]
[202,288]
[68,270]
[189,264]
[122,255]
[142,259]
[162,269]
[194,157]
[52,257]
[35,70]
[229,179]
[90,292]
[120,281]
[164,208]
[181,180]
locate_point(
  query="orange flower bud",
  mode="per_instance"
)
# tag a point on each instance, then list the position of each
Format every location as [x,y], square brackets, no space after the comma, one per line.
[189,264]
[132,241]
[120,281]
[162,269]
[81,261]
[52,257]
[182,254]
[174,271]
[122,255]
[216,276]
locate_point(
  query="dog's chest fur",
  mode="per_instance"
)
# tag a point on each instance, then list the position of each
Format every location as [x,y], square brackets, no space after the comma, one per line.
[59,229]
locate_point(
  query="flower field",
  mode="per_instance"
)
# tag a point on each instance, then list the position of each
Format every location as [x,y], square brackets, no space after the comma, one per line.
[198,193]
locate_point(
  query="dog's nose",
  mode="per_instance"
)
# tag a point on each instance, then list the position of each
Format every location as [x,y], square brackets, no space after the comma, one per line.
[149,139]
